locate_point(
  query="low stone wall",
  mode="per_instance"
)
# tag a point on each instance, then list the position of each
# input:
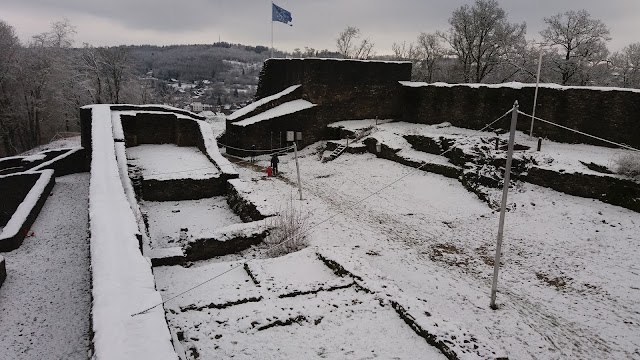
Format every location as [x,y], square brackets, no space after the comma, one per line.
[228,240]
[244,204]
[69,162]
[27,209]
[13,189]
[609,113]
[450,171]
[608,189]
[3,271]
[182,189]
[148,134]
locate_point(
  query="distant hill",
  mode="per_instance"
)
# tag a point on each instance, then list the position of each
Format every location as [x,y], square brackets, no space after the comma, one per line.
[194,62]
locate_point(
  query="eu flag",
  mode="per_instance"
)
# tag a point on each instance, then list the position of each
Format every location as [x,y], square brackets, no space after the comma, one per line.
[280,14]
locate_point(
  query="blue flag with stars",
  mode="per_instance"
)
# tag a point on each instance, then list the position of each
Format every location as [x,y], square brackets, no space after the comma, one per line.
[280,14]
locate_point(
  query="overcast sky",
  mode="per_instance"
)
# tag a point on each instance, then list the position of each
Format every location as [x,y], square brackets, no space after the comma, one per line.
[316,23]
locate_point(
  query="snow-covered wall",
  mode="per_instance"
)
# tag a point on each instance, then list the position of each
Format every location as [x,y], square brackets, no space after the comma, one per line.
[610,113]
[122,281]
[23,207]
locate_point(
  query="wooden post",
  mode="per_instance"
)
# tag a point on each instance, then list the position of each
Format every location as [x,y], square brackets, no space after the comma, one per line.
[295,150]
[539,144]
[497,143]
[503,207]
[535,96]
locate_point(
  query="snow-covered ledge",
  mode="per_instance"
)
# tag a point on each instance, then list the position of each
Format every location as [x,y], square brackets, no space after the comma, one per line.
[14,232]
[123,283]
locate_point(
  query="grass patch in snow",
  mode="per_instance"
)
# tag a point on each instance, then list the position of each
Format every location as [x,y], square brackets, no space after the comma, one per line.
[288,231]
[628,165]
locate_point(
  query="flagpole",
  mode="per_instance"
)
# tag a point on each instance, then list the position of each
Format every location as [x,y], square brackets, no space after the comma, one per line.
[272,29]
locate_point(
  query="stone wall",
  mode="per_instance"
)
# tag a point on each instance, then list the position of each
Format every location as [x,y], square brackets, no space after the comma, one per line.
[273,133]
[12,239]
[70,161]
[182,189]
[14,188]
[340,89]
[349,89]
[611,114]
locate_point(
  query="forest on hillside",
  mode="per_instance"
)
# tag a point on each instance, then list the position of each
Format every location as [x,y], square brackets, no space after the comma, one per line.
[193,62]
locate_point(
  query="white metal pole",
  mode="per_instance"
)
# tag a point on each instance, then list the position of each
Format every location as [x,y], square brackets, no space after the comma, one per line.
[503,206]
[295,151]
[535,96]
[272,29]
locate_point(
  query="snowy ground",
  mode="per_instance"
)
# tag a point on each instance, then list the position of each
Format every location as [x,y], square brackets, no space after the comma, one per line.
[218,321]
[169,161]
[166,218]
[569,280]
[552,155]
[45,302]
[70,142]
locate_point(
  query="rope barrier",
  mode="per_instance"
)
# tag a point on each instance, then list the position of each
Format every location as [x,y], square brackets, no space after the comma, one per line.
[311,228]
[579,132]
[190,289]
[215,168]
[254,150]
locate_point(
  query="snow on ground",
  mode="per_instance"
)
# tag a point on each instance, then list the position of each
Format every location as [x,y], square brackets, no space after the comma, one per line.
[338,324]
[166,218]
[69,142]
[568,283]
[45,302]
[169,161]
[553,155]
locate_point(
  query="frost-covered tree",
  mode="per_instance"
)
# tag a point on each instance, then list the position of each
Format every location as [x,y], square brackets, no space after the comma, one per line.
[481,37]
[9,122]
[626,66]
[117,70]
[348,46]
[47,81]
[579,43]
[426,56]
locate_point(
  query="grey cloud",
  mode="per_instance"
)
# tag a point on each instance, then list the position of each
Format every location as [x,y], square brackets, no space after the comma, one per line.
[316,22]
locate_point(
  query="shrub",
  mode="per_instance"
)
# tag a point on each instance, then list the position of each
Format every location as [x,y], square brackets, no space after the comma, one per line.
[363,133]
[628,165]
[288,231]
[320,149]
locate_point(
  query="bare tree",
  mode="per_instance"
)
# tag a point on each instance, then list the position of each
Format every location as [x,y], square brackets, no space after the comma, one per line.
[9,46]
[90,67]
[116,67]
[9,122]
[580,44]
[481,37]
[46,81]
[626,66]
[348,46]
[404,51]
[430,52]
